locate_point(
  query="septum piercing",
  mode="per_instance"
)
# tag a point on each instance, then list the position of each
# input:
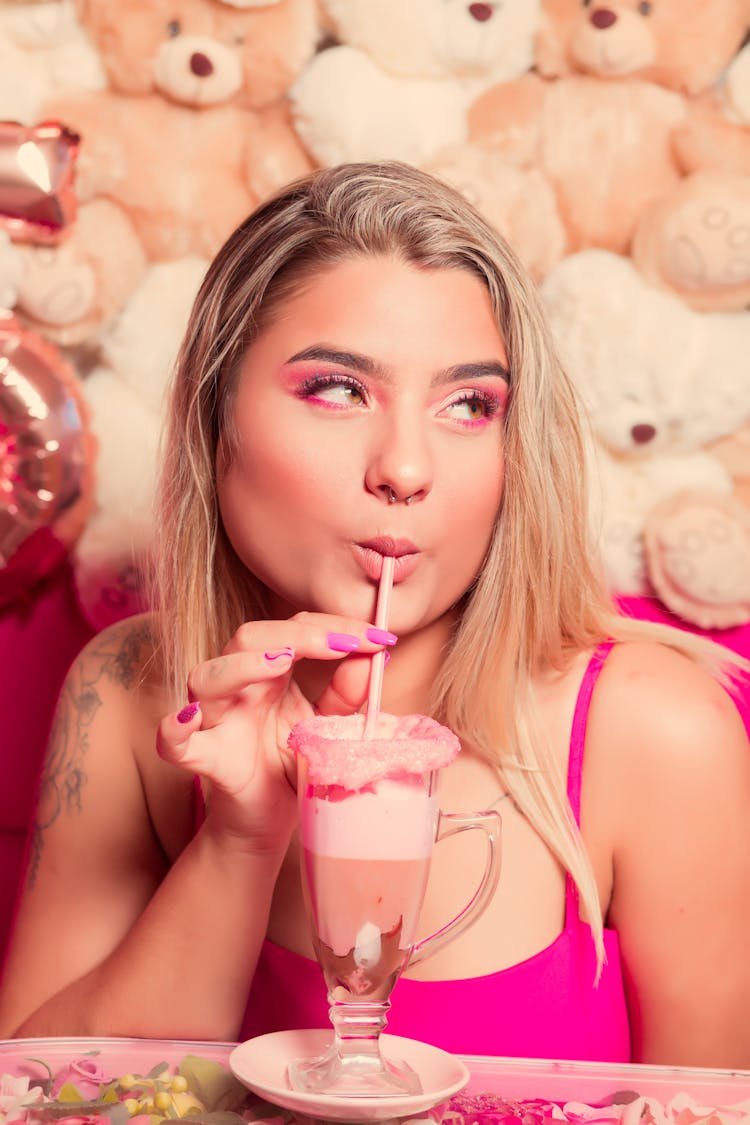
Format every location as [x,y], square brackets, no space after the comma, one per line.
[392,497]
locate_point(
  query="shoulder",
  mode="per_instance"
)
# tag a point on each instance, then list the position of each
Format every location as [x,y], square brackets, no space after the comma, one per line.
[117,668]
[119,661]
[664,737]
[662,698]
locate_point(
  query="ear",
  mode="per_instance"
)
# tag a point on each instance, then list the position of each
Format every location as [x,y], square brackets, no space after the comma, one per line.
[550,46]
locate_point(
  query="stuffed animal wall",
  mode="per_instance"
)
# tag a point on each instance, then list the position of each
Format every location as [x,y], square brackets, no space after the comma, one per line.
[608,140]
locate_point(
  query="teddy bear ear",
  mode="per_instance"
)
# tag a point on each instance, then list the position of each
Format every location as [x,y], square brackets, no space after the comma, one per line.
[556,23]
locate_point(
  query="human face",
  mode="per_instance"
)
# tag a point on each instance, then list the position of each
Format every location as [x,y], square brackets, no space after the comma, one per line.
[376,376]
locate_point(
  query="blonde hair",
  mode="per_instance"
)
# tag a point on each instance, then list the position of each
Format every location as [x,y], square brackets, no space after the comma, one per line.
[540,597]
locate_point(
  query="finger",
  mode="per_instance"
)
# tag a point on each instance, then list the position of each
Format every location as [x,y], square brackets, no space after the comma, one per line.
[313,636]
[225,676]
[347,688]
[174,732]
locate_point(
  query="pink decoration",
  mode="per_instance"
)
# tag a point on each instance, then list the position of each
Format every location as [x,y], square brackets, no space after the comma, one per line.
[37,171]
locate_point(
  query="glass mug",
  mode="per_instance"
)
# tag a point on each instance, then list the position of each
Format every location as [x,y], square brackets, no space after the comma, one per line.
[365,859]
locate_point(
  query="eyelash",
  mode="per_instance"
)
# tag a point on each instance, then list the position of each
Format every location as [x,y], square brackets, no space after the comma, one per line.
[311,386]
[314,384]
[491,403]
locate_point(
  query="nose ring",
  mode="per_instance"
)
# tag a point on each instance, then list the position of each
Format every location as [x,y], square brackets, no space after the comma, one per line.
[392,497]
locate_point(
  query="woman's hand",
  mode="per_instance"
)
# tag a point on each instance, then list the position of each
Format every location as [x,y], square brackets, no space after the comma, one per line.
[246,702]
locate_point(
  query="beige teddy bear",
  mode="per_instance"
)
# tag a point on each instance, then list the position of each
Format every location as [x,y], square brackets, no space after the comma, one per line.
[399,80]
[615,84]
[661,382]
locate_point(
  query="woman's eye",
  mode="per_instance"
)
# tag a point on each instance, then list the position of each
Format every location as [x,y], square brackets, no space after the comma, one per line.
[473,407]
[336,391]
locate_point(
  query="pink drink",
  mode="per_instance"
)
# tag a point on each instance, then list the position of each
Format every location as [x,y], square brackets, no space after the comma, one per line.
[368,823]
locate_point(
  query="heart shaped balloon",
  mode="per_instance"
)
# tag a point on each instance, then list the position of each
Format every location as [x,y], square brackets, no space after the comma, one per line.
[37,173]
[47,453]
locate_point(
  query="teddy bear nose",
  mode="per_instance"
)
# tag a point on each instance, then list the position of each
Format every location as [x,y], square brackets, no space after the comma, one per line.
[481,12]
[603,18]
[643,432]
[201,64]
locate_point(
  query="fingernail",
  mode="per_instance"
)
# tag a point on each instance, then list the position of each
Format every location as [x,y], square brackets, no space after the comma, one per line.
[381,637]
[282,654]
[342,642]
[387,656]
[188,713]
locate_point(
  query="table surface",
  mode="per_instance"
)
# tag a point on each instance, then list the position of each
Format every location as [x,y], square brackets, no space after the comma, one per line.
[491,1078]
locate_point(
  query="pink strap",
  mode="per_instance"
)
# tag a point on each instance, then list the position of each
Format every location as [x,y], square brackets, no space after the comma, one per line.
[575,759]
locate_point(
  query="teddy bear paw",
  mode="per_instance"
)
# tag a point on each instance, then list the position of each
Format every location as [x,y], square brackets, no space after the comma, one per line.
[697,242]
[698,554]
[55,289]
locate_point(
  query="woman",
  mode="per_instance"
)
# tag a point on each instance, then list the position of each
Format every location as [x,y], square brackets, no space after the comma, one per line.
[367,371]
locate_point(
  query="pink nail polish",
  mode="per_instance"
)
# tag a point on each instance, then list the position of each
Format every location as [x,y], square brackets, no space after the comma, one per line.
[282,654]
[381,637]
[188,713]
[342,642]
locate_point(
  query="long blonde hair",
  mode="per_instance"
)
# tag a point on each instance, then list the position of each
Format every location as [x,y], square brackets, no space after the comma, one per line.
[540,597]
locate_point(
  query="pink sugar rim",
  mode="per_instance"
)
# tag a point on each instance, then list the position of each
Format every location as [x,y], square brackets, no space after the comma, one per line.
[348,767]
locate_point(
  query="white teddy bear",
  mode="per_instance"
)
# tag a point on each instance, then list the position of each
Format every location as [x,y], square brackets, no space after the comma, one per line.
[399,83]
[126,396]
[43,49]
[660,381]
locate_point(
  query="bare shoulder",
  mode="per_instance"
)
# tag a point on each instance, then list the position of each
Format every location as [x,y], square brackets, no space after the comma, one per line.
[122,656]
[658,703]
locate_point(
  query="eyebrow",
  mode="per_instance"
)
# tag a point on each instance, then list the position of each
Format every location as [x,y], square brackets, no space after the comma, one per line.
[484,369]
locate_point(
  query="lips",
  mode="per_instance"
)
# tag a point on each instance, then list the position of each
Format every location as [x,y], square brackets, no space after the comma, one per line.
[370,556]
[394,548]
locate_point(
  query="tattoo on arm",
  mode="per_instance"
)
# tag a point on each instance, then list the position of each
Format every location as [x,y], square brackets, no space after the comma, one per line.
[117,659]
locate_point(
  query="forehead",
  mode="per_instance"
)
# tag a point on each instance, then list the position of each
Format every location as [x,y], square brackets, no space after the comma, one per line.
[388,305]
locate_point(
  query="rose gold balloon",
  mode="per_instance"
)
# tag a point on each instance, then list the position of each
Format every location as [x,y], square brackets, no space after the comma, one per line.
[46,458]
[37,171]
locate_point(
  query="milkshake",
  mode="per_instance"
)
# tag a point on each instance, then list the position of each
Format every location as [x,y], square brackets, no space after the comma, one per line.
[368,823]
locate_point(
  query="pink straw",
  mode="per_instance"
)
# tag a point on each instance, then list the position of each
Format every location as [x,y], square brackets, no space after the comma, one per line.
[377,663]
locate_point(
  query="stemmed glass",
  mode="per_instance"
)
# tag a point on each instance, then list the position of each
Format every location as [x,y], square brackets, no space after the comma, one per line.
[365,859]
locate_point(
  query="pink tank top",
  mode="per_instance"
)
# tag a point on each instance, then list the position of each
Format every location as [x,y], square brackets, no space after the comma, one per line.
[545,1007]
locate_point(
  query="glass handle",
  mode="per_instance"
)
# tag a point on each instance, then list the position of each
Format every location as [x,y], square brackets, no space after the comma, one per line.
[448,825]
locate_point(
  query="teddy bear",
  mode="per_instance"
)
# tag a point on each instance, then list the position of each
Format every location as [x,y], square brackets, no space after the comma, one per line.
[192,132]
[695,240]
[125,394]
[518,202]
[600,114]
[659,382]
[684,45]
[74,291]
[399,77]
[43,49]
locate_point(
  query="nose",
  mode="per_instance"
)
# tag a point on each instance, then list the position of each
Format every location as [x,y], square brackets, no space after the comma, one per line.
[201,64]
[400,468]
[642,433]
[602,18]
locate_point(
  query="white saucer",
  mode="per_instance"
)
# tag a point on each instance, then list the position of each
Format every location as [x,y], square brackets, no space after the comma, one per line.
[261,1065]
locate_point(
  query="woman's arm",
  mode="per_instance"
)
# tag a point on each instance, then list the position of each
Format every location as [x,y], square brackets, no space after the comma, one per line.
[108,940]
[111,937]
[671,764]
